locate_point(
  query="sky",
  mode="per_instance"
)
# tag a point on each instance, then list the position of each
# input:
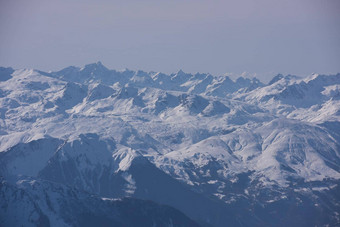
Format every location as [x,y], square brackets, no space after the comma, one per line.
[262,37]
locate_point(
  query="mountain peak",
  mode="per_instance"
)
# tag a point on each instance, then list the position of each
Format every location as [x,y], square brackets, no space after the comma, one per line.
[275,79]
[180,72]
[95,66]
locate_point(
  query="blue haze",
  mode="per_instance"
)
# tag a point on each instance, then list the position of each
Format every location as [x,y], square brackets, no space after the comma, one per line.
[264,37]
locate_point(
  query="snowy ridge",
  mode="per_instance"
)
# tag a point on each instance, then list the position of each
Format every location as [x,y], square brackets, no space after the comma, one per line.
[241,147]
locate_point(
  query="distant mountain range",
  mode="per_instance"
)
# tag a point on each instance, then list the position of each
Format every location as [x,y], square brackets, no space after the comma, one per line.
[97,147]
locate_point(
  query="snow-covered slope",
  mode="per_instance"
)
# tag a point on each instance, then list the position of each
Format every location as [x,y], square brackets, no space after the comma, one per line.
[223,152]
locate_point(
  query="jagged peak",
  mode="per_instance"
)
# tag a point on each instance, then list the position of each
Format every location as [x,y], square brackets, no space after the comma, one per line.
[275,79]
[288,78]
[180,72]
[95,66]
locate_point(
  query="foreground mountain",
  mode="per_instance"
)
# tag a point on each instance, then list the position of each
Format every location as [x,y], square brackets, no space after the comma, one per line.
[41,203]
[223,152]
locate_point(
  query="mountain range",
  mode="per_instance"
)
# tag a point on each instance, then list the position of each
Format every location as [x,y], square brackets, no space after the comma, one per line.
[93,146]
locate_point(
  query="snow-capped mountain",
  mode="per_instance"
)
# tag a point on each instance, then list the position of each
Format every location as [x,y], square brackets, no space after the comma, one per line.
[223,152]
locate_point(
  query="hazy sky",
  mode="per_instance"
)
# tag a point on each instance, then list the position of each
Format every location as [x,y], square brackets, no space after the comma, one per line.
[257,36]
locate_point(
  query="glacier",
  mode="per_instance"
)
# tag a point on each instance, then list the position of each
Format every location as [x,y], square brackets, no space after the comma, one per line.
[206,150]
